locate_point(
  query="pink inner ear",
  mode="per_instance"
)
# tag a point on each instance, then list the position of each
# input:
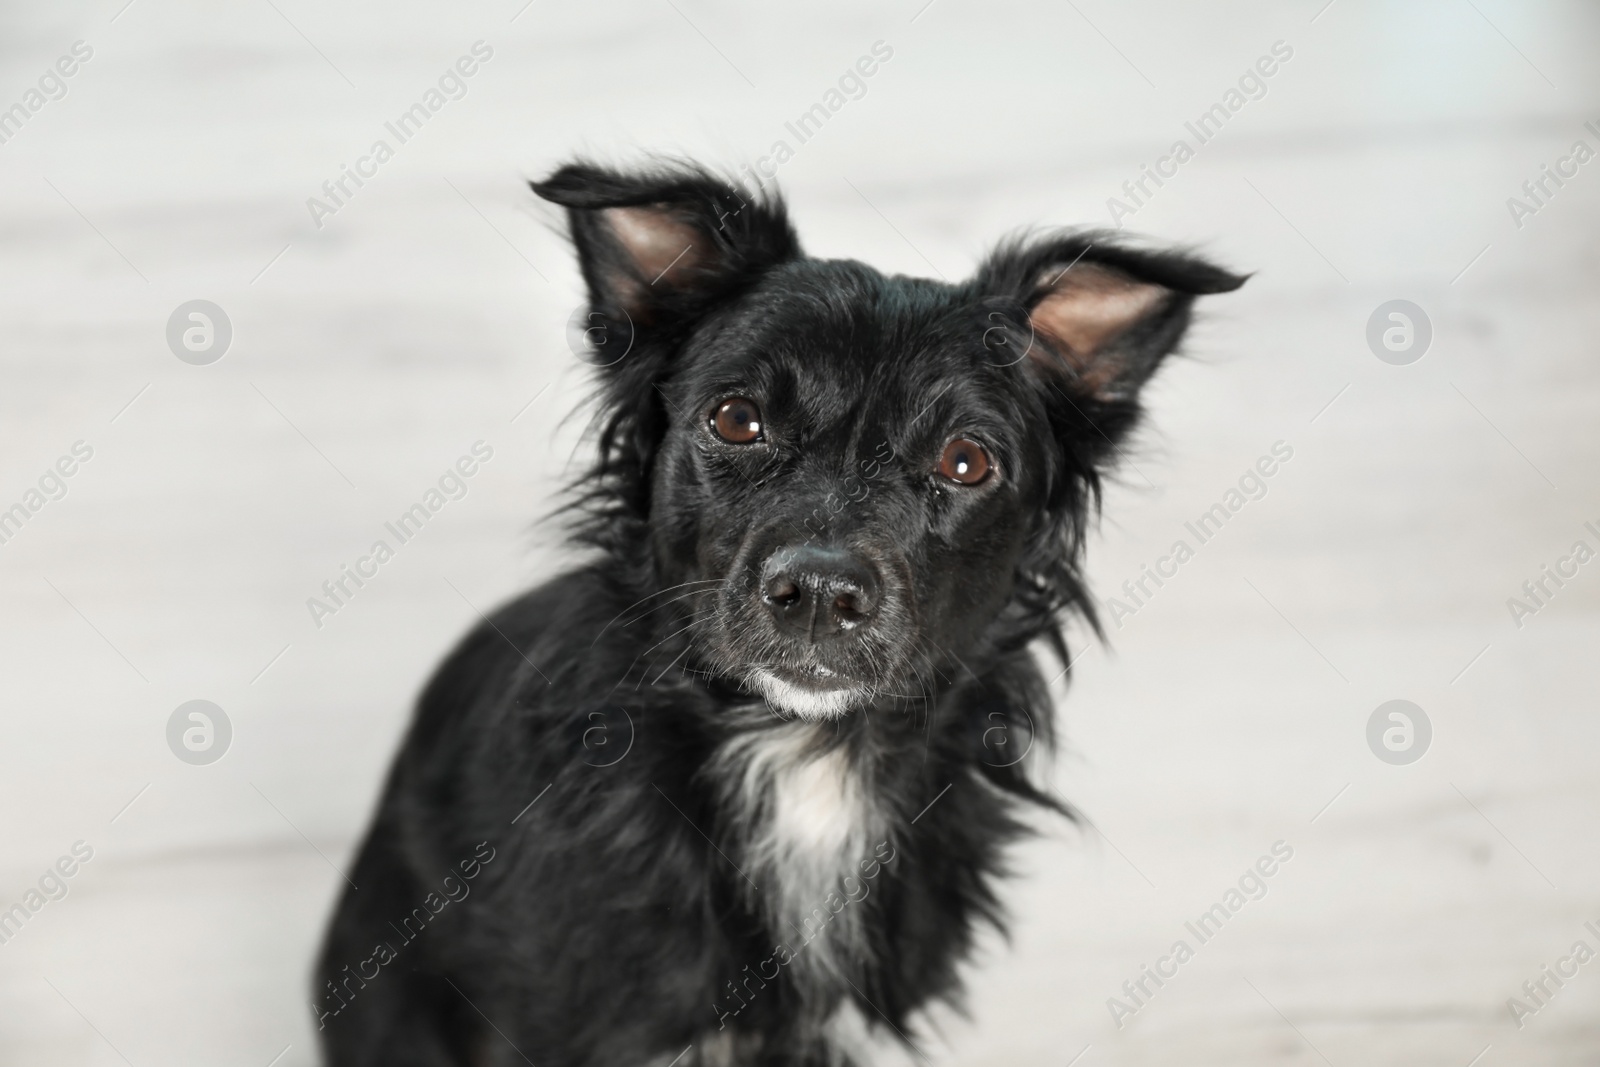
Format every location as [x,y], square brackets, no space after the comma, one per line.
[1086,309]
[665,250]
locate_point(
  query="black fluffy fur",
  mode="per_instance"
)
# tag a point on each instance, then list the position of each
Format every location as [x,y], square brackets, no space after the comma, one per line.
[560,868]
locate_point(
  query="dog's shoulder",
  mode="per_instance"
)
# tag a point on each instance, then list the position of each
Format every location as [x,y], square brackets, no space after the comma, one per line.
[525,660]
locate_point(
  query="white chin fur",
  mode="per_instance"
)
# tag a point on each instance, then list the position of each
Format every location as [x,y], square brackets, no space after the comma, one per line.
[805,703]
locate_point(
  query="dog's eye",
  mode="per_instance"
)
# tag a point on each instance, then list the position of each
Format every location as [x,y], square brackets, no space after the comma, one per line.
[738,420]
[964,462]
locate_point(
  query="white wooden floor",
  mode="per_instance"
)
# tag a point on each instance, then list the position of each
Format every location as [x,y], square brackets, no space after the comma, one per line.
[429,313]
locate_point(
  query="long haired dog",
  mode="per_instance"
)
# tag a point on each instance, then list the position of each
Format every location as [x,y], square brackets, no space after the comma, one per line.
[737,790]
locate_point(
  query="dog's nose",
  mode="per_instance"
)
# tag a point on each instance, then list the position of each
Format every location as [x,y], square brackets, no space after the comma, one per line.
[819,592]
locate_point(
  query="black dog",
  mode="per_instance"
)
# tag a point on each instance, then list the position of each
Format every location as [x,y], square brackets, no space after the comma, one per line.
[736,792]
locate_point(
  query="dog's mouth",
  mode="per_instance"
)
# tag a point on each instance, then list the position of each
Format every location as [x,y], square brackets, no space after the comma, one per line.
[813,677]
[815,692]
[812,682]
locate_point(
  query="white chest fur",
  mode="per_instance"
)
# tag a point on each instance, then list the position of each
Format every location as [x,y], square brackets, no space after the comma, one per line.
[802,809]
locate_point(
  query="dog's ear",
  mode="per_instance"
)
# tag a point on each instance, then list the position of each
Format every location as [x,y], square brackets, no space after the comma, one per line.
[661,244]
[659,248]
[1100,316]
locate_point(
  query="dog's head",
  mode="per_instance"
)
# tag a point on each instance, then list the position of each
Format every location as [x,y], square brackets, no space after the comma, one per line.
[872,481]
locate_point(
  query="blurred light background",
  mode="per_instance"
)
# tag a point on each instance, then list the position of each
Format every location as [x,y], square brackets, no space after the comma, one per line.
[430,313]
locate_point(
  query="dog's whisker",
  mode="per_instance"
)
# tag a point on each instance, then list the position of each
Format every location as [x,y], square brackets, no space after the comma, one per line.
[670,665]
[688,645]
[652,596]
[628,673]
[670,636]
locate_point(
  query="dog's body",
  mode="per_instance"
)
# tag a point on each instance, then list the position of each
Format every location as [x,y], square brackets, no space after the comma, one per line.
[738,789]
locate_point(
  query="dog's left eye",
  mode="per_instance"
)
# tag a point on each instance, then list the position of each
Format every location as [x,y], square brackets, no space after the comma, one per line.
[737,420]
[964,462]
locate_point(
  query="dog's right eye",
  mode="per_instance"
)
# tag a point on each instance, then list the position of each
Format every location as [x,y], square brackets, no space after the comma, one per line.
[964,462]
[737,420]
